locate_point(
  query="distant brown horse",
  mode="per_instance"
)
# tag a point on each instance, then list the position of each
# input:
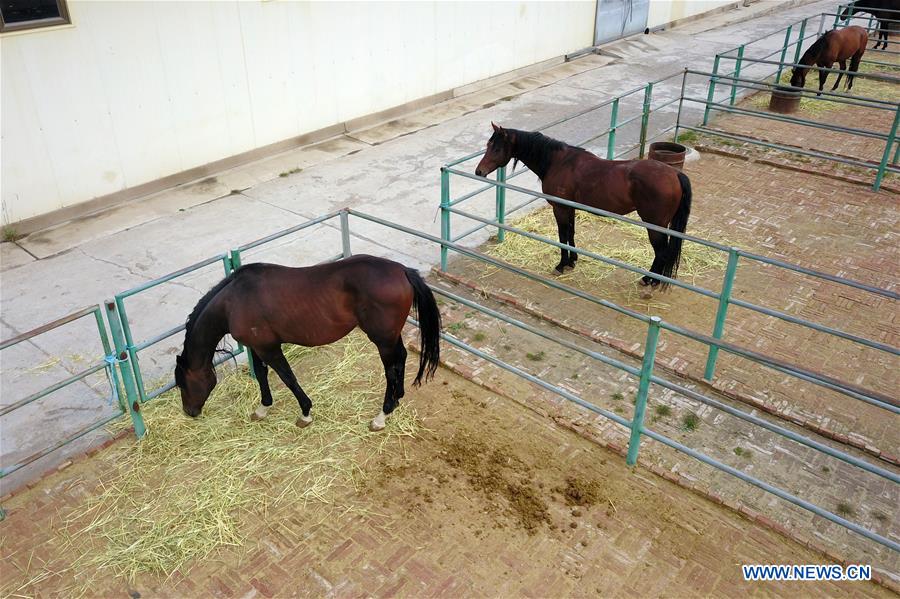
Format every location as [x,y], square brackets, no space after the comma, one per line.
[265,305]
[660,194]
[836,45]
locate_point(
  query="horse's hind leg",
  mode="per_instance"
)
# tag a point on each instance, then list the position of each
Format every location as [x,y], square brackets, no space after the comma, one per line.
[393,357]
[262,378]
[854,66]
[564,215]
[843,64]
[660,242]
[275,358]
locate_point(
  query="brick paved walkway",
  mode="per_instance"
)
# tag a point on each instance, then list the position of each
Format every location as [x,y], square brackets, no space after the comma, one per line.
[834,485]
[421,524]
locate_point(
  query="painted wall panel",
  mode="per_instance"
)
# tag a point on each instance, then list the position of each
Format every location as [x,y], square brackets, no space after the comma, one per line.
[136,91]
[666,11]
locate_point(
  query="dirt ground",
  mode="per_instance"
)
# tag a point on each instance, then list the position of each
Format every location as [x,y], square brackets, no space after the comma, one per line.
[486,499]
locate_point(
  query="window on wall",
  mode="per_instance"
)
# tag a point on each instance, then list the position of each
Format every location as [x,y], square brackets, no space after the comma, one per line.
[16,15]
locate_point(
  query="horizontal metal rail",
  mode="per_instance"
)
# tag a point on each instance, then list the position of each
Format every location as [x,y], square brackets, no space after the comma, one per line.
[791,149]
[859,74]
[789,119]
[54,387]
[170,276]
[34,457]
[48,327]
[294,229]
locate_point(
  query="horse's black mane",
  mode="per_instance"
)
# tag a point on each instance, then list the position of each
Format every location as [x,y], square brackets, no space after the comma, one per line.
[204,301]
[813,51]
[536,150]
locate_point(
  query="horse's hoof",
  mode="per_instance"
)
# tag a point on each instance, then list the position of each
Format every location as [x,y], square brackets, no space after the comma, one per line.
[645,281]
[560,269]
[254,417]
[260,413]
[647,294]
[304,421]
[375,427]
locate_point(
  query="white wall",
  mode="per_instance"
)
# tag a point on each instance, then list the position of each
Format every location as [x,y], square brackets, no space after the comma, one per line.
[666,11]
[136,91]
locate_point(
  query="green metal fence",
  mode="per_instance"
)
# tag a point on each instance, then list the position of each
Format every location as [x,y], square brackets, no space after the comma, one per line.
[126,357]
[106,363]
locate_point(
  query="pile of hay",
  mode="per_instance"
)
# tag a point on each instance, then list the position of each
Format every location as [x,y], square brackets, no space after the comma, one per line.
[607,237]
[193,486]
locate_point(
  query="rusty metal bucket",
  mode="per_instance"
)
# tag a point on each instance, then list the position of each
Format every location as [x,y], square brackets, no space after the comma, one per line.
[671,153]
[785,100]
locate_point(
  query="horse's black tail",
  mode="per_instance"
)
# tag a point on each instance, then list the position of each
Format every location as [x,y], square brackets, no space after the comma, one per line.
[429,318]
[672,255]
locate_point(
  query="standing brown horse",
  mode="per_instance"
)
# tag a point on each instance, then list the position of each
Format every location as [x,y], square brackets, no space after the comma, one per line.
[265,305]
[836,45]
[660,194]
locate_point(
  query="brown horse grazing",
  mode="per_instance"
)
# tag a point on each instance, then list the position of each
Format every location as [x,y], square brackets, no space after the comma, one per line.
[660,194]
[836,45]
[265,305]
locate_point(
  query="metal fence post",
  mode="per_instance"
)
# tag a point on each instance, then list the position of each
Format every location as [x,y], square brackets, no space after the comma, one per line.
[889,144]
[445,215]
[722,312]
[710,95]
[800,41]
[680,104]
[234,260]
[645,118]
[132,404]
[611,139]
[501,202]
[640,405]
[787,42]
[821,24]
[345,233]
[737,73]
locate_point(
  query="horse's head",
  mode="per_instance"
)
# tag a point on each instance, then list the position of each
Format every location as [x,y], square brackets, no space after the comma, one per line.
[498,153]
[195,384]
[798,77]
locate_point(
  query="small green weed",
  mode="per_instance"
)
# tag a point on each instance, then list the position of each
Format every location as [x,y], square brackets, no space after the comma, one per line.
[535,357]
[617,396]
[690,422]
[662,410]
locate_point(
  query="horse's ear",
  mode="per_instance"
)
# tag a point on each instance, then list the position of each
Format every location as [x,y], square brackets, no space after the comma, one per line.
[497,128]
[179,360]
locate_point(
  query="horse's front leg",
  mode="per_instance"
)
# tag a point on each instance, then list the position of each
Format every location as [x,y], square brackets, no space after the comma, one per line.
[279,364]
[823,76]
[562,216]
[843,64]
[393,357]
[262,378]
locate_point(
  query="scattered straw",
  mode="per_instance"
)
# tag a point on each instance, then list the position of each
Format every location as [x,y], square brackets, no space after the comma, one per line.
[191,487]
[607,237]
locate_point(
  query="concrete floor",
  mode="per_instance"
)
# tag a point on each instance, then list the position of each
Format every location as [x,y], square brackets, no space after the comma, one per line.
[390,170]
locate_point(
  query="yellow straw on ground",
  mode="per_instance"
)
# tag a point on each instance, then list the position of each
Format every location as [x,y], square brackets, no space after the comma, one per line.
[192,487]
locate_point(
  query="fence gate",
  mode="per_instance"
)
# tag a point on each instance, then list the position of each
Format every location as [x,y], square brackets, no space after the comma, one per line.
[619,18]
